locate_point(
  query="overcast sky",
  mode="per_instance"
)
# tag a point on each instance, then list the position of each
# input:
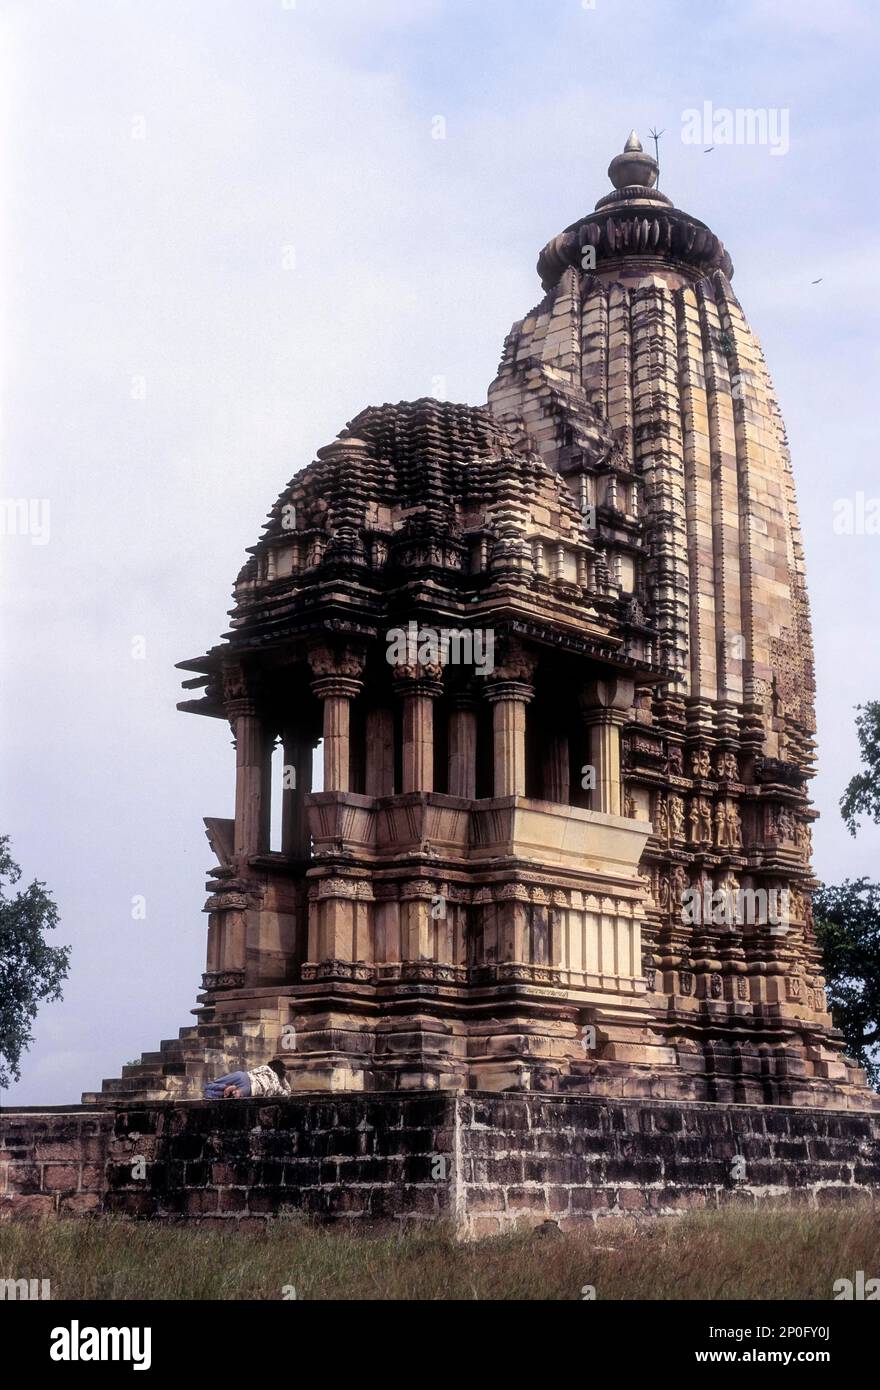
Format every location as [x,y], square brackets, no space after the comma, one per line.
[229,228]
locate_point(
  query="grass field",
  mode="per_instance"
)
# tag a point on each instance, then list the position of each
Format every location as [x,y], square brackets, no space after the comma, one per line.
[724,1255]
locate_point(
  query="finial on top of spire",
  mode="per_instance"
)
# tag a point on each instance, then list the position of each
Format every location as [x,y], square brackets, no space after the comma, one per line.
[633,168]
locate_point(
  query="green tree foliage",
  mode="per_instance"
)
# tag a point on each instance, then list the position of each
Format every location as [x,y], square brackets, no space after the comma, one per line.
[848,930]
[848,916]
[31,971]
[862,796]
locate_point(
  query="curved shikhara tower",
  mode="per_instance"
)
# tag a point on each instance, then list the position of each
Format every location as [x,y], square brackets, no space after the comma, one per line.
[566,846]
[662,408]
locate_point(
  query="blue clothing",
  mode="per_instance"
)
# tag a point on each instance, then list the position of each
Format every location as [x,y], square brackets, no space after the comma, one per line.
[214,1089]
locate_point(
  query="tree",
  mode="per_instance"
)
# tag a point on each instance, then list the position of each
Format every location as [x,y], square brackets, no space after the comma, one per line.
[31,971]
[862,796]
[848,916]
[848,930]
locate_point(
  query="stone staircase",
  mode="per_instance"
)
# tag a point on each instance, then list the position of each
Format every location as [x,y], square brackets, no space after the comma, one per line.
[201,1052]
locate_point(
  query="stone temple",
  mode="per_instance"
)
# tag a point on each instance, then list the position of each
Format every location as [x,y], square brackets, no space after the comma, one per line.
[554,655]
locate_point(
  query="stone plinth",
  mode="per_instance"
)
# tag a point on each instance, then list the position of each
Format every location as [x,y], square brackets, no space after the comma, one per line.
[484,1162]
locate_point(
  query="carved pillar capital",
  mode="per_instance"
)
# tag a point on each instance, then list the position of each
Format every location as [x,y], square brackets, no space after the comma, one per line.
[417,679]
[242,688]
[607,701]
[337,687]
[515,663]
[499,690]
[463,701]
[345,660]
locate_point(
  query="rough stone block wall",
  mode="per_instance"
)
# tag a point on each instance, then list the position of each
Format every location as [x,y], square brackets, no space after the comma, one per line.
[327,1158]
[486,1163]
[526,1160]
[365,1157]
[53,1163]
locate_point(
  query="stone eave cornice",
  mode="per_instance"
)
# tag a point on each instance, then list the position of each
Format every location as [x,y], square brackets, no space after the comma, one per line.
[421,604]
[207,707]
[200,664]
[646,230]
[560,630]
[610,654]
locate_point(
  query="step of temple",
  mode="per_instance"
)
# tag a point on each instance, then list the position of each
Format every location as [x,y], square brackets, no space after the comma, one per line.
[182,1065]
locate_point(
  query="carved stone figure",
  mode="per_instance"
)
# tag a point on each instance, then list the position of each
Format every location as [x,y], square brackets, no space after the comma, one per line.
[804,839]
[648,877]
[665,893]
[728,766]
[679,884]
[701,763]
[785,824]
[675,760]
[722,828]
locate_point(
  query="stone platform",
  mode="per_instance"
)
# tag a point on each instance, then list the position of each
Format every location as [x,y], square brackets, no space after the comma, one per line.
[484,1162]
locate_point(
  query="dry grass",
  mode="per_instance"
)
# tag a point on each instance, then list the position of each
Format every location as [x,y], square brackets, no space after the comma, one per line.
[730,1254]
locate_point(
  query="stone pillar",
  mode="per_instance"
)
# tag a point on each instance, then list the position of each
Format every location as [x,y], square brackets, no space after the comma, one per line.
[298,750]
[605,757]
[605,705]
[380,753]
[336,694]
[337,682]
[557,773]
[227,940]
[463,747]
[510,690]
[418,687]
[233,948]
[253,754]
[213,957]
[509,700]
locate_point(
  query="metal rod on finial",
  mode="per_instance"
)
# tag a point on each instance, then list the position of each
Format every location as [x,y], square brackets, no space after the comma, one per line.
[655,136]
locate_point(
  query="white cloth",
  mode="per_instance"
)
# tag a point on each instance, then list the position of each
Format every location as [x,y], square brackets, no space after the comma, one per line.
[264,1082]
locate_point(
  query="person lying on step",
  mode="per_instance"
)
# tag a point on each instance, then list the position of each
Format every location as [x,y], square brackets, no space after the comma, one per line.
[262,1082]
